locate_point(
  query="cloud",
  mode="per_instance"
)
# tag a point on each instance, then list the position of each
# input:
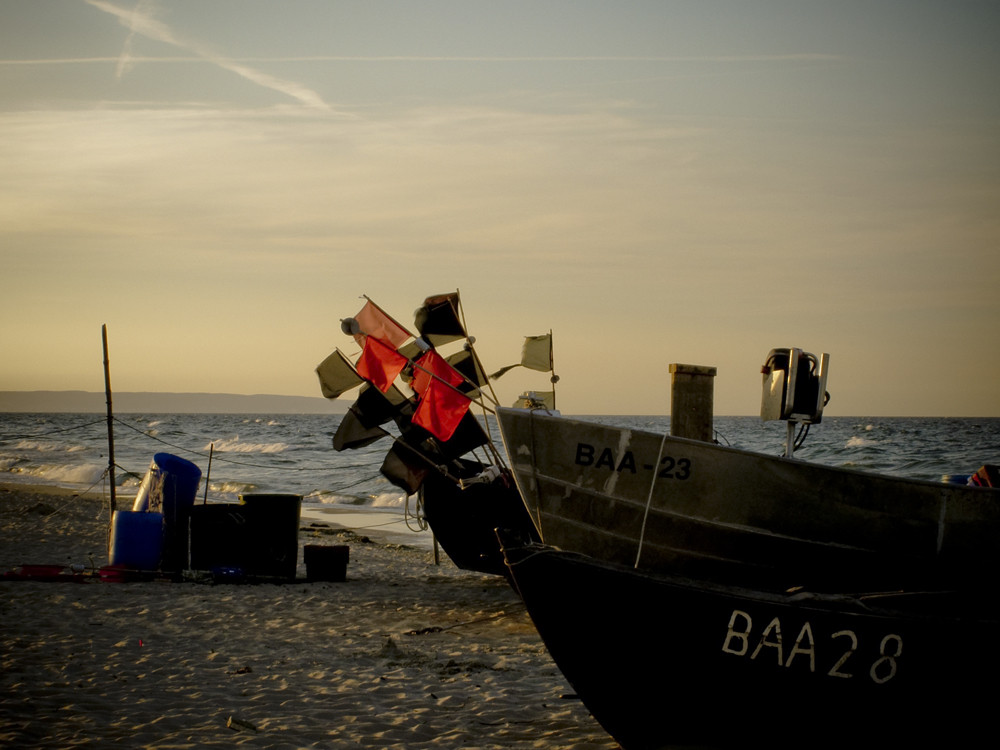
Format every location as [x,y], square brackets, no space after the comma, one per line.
[141,21]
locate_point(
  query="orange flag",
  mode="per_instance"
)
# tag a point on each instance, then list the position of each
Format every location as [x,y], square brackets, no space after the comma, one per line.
[374,322]
[433,365]
[380,364]
[441,407]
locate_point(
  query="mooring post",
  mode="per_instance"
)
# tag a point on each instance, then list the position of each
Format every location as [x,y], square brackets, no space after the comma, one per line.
[692,389]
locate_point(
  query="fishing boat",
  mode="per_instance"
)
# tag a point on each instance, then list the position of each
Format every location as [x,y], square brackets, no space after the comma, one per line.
[663,502]
[439,451]
[664,661]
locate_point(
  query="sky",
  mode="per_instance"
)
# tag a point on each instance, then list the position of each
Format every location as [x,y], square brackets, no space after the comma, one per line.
[681,181]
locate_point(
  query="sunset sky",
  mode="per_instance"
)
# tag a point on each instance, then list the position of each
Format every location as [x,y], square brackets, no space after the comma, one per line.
[694,181]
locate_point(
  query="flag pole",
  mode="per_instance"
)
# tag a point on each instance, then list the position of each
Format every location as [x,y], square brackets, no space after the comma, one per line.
[111,426]
[475,357]
[552,368]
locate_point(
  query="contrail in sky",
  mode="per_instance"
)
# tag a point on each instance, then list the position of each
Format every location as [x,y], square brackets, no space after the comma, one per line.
[140,21]
[142,11]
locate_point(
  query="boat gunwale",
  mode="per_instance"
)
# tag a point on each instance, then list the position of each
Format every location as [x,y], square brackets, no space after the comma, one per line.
[850,602]
[712,447]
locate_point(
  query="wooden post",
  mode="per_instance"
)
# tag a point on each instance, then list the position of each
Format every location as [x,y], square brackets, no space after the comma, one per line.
[111,426]
[691,402]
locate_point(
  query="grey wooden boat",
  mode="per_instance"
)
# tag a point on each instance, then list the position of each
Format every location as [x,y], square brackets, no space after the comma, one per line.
[663,503]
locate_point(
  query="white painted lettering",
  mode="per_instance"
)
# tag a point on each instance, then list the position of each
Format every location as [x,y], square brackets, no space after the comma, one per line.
[740,636]
[835,669]
[772,627]
[805,645]
[884,668]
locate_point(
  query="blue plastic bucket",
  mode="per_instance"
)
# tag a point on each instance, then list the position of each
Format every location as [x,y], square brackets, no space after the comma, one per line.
[171,482]
[169,488]
[136,539]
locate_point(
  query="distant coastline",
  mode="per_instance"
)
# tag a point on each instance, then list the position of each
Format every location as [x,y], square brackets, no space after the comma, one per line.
[85,402]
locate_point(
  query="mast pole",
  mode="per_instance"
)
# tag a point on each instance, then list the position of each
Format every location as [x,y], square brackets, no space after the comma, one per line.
[552,368]
[470,342]
[111,428]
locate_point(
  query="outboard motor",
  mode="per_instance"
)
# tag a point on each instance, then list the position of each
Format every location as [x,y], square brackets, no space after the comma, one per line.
[794,390]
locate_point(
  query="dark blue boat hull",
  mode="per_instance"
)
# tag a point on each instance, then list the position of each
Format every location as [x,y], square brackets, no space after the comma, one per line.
[662,661]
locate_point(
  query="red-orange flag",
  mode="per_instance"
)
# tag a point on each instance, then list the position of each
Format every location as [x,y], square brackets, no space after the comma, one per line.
[432,365]
[380,364]
[441,409]
[373,321]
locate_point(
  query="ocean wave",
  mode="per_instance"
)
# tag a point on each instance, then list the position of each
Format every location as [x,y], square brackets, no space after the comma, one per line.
[858,442]
[265,422]
[10,463]
[234,445]
[232,488]
[388,500]
[329,497]
[43,446]
[59,473]
[385,500]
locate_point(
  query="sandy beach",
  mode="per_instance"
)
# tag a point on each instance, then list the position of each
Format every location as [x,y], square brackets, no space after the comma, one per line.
[403,654]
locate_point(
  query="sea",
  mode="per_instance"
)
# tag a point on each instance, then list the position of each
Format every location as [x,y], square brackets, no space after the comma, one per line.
[289,453]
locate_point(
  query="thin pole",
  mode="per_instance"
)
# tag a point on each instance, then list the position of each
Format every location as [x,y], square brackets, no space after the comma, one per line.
[552,369]
[111,427]
[208,475]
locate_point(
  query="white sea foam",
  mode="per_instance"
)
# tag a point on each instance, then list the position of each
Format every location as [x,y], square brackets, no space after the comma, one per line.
[321,497]
[128,481]
[388,500]
[59,473]
[235,445]
[38,446]
[228,491]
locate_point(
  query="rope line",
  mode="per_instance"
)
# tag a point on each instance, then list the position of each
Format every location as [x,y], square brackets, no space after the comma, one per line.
[649,501]
[62,502]
[36,435]
[345,490]
[202,454]
[270,467]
